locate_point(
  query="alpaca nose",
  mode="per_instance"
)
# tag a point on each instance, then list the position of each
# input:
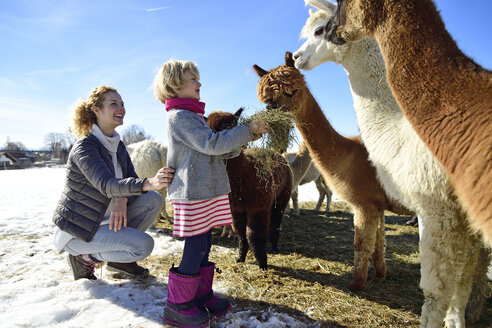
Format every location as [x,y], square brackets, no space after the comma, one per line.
[296,55]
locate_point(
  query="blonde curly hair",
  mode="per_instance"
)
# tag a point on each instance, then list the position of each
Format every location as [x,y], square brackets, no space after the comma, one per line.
[84,117]
[170,78]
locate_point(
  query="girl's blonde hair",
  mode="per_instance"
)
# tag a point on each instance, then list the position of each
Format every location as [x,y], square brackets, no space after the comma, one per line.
[170,78]
[84,117]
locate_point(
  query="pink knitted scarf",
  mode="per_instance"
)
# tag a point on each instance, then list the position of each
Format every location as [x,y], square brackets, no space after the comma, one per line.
[186,103]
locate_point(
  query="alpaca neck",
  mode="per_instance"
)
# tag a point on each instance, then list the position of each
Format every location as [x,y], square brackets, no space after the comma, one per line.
[373,99]
[366,73]
[324,143]
[428,74]
[420,54]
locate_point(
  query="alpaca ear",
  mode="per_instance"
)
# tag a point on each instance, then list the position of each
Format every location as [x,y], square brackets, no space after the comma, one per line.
[238,113]
[325,5]
[260,71]
[289,61]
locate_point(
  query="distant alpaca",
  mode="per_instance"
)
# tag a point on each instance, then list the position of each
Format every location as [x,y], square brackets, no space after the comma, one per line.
[343,163]
[446,96]
[257,202]
[148,156]
[305,171]
[407,170]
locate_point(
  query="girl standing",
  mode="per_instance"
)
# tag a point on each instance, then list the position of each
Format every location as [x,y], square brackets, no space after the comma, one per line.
[199,190]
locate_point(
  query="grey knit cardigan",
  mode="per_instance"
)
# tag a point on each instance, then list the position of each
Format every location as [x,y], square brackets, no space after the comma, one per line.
[90,184]
[197,154]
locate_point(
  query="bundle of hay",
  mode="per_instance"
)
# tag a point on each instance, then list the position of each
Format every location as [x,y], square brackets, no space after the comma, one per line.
[281,134]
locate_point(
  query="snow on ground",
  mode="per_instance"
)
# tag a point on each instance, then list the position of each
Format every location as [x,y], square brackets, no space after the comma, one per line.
[37,287]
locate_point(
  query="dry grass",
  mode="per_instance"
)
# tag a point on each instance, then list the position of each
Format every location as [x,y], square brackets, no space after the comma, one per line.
[281,135]
[308,279]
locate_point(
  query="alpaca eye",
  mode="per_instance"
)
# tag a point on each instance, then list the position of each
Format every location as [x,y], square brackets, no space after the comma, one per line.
[271,105]
[319,31]
[290,95]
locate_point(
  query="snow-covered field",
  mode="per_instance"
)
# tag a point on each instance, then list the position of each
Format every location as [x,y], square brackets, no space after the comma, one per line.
[37,287]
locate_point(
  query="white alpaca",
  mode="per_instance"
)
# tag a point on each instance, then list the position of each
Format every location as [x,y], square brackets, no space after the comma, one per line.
[305,171]
[148,156]
[406,168]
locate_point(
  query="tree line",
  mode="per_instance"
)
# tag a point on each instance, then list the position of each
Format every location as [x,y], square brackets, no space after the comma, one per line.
[60,144]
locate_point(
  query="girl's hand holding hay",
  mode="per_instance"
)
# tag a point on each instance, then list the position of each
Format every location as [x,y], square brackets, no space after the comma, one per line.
[258,128]
[278,124]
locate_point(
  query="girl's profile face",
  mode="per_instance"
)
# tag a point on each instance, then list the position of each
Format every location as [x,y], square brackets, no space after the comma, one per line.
[111,113]
[191,89]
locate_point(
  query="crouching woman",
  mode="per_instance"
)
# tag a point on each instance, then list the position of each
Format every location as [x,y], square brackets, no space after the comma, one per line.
[105,208]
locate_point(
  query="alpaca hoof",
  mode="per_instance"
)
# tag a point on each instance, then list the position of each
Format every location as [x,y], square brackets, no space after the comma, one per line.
[356,286]
[377,278]
[264,267]
[240,260]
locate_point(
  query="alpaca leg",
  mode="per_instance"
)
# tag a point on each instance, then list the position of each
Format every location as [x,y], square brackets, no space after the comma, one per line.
[276,222]
[455,316]
[378,260]
[328,199]
[443,244]
[366,224]
[257,235]
[239,227]
[295,200]
[321,191]
[480,288]
[243,249]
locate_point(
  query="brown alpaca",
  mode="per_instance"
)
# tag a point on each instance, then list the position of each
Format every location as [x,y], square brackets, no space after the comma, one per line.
[445,95]
[257,201]
[342,161]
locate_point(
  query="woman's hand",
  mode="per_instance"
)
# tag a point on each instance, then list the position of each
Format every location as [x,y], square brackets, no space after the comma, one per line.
[117,219]
[162,179]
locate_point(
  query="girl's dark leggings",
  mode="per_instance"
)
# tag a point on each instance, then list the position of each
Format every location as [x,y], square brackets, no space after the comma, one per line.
[195,253]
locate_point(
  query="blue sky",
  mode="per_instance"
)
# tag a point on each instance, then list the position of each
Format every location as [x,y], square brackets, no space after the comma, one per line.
[56,51]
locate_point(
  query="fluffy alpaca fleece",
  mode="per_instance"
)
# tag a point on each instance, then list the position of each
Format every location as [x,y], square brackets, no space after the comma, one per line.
[409,173]
[446,96]
[257,201]
[342,161]
[148,156]
[305,171]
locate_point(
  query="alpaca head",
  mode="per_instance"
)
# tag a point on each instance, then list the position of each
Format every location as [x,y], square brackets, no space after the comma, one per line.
[353,20]
[316,49]
[282,86]
[218,120]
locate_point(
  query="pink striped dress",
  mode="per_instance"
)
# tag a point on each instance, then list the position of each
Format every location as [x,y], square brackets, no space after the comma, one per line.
[193,217]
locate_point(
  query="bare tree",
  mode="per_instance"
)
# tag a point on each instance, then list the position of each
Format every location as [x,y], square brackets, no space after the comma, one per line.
[134,133]
[56,142]
[65,151]
[14,145]
[69,140]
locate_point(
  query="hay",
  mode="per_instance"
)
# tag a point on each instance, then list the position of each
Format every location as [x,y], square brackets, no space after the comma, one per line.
[279,138]
[308,279]
[281,134]
[266,162]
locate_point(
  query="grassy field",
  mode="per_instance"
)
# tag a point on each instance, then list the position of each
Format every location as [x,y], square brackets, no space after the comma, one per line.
[309,278]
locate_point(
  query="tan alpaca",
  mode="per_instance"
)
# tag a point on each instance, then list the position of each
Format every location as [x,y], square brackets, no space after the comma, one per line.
[305,171]
[445,95]
[342,161]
